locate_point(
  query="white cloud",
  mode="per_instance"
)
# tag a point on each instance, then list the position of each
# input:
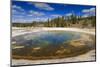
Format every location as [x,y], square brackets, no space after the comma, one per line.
[89,12]
[17,16]
[85,15]
[17,8]
[92,10]
[85,10]
[40,19]
[43,6]
[56,15]
[35,13]
[68,14]
[22,20]
[29,20]
[14,6]
[14,11]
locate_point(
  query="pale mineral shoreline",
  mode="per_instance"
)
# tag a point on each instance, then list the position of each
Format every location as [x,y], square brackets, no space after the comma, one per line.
[20,31]
[89,56]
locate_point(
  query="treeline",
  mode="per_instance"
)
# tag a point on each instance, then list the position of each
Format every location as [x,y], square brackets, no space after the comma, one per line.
[64,21]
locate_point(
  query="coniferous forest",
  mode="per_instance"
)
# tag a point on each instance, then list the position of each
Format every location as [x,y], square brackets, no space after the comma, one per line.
[64,21]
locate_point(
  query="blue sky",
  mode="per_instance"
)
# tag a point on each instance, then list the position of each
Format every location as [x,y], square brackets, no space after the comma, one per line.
[24,11]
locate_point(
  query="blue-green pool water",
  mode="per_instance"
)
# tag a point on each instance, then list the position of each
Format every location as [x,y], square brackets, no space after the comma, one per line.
[45,38]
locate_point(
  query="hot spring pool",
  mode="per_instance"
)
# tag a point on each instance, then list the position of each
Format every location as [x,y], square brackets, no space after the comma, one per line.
[45,38]
[51,44]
